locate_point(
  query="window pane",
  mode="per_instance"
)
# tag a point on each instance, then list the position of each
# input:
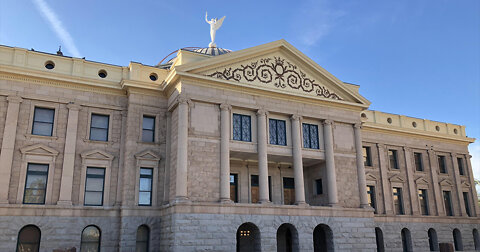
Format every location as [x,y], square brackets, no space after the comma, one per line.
[145,184]
[460,166]
[148,122]
[98,134]
[418,161]
[94,184]
[281,137]
[147,136]
[314,136]
[288,183]
[237,126]
[36,181]
[90,234]
[93,198]
[34,196]
[273,131]
[306,135]
[144,198]
[246,128]
[319,186]
[28,239]
[146,171]
[99,121]
[254,180]
[95,171]
[44,115]
[89,247]
[38,167]
[42,129]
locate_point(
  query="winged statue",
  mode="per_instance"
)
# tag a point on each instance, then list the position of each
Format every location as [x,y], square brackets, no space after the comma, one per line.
[215,24]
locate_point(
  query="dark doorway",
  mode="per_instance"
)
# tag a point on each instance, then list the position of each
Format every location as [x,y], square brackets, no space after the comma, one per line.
[248,238]
[322,238]
[287,238]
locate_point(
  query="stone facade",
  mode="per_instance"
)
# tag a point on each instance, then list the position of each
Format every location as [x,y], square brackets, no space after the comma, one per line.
[309,198]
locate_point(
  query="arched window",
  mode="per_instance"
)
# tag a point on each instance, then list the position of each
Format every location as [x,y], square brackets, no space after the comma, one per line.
[476,239]
[287,238]
[406,240]
[28,239]
[379,240]
[322,238]
[91,237]
[433,240]
[143,238]
[248,238]
[457,240]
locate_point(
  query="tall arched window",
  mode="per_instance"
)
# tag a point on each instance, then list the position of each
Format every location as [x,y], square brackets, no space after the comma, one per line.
[457,240]
[28,239]
[287,238]
[433,240]
[406,240]
[91,238]
[379,240]
[143,238]
[476,239]
[248,238]
[322,238]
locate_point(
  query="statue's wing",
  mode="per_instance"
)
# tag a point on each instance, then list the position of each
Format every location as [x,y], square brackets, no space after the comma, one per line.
[220,22]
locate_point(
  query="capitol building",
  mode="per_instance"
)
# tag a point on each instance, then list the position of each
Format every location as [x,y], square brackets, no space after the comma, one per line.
[259,149]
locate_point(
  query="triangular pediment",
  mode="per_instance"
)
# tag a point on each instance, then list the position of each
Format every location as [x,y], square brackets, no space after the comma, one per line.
[446,183]
[465,184]
[370,177]
[148,154]
[397,178]
[421,181]
[39,149]
[276,67]
[97,154]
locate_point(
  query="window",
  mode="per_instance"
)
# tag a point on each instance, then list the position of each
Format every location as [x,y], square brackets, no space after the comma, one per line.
[418,161]
[277,130]
[35,184]
[310,136]
[319,186]
[398,200]
[43,121]
[457,240]
[392,155]
[99,127]
[371,197]
[447,200]
[288,191]
[442,166]
[242,128]
[94,186]
[143,237]
[422,196]
[433,240]
[145,189]
[254,189]
[148,129]
[90,239]
[460,166]
[234,187]
[28,239]
[367,156]
[467,204]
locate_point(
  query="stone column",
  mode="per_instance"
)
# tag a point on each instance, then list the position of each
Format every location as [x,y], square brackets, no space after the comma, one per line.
[411,181]
[362,182]
[66,183]
[386,189]
[473,190]
[8,145]
[438,194]
[458,185]
[330,163]
[297,161]
[182,151]
[262,155]
[225,153]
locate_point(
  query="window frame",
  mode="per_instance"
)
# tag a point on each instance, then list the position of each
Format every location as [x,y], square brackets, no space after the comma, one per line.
[395,165]
[317,193]
[450,203]
[147,159]
[154,130]
[309,127]
[147,242]
[461,167]
[277,131]
[400,199]
[421,192]
[420,164]
[91,127]
[241,127]
[44,105]
[100,159]
[151,185]
[39,236]
[466,202]
[443,164]
[99,237]
[235,183]
[34,121]
[270,185]
[86,184]
[46,183]
[367,162]
[372,197]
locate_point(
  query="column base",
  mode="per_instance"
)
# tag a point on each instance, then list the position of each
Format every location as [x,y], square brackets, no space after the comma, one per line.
[333,205]
[181,200]
[265,202]
[4,202]
[226,201]
[64,203]
[302,204]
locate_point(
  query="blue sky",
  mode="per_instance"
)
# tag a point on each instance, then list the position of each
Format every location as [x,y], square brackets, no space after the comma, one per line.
[419,58]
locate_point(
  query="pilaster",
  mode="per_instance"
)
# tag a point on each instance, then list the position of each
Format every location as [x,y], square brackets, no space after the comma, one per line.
[411,181]
[432,157]
[386,188]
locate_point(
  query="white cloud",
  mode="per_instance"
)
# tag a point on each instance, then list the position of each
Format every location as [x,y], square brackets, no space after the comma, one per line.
[57,27]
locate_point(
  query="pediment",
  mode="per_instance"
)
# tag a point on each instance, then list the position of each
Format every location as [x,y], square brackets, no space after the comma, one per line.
[39,149]
[446,183]
[149,155]
[370,177]
[277,67]
[465,184]
[397,178]
[97,154]
[421,181]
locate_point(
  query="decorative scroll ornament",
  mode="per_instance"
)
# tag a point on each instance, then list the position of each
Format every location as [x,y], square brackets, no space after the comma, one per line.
[277,71]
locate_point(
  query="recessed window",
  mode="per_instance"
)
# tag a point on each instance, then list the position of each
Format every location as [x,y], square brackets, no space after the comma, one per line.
[455,131]
[310,136]
[437,128]
[467,204]
[392,155]
[414,124]
[99,127]
[94,186]
[242,128]
[288,191]
[36,184]
[90,240]
[234,187]
[148,129]
[29,239]
[447,200]
[145,190]
[389,120]
[398,200]
[442,165]
[102,73]
[143,238]
[43,121]
[367,156]
[153,76]
[371,197]
[418,161]
[460,166]
[363,115]
[319,186]
[423,197]
[277,130]
[49,65]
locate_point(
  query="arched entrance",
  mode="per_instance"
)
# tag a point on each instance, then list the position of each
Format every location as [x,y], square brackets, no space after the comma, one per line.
[287,238]
[322,238]
[248,238]
[379,240]
[406,240]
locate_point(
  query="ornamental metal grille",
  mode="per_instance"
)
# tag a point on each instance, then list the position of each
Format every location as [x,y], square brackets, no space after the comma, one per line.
[277,132]
[242,128]
[310,136]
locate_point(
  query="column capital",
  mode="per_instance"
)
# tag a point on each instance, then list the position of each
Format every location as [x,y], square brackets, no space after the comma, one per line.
[327,122]
[380,145]
[183,100]
[225,106]
[74,107]
[14,99]
[262,112]
[296,117]
[358,125]
[407,149]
